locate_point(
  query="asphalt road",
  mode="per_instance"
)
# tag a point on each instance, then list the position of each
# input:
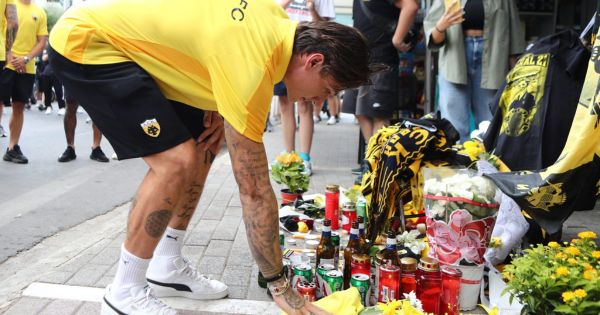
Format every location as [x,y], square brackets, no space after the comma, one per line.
[44,197]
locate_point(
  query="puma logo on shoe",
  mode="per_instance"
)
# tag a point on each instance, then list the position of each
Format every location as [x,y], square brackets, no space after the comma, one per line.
[173,237]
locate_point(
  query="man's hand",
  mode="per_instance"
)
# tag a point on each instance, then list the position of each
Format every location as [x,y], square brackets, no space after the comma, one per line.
[293,303]
[18,63]
[213,136]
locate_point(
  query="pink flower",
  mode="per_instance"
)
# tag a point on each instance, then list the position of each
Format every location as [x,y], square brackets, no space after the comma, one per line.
[461,238]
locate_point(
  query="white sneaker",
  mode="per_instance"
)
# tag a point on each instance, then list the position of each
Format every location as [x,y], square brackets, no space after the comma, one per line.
[332,120]
[61,112]
[2,132]
[140,301]
[48,110]
[316,118]
[184,280]
[307,168]
[80,110]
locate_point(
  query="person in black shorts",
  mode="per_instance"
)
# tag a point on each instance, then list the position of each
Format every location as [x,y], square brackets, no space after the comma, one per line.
[16,79]
[6,40]
[70,122]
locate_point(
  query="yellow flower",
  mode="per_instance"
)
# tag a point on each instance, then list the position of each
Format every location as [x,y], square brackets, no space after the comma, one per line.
[596,254]
[572,261]
[553,245]
[580,293]
[587,234]
[589,274]
[495,242]
[560,256]
[572,251]
[587,266]
[562,271]
[567,296]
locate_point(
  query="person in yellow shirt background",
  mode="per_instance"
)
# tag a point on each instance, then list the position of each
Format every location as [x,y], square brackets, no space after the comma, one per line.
[169,89]
[8,30]
[16,79]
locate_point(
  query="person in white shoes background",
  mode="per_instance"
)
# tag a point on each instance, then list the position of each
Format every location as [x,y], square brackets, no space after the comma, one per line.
[301,10]
[171,97]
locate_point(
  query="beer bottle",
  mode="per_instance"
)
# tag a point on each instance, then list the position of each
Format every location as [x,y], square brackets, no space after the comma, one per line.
[390,252]
[350,249]
[363,247]
[325,250]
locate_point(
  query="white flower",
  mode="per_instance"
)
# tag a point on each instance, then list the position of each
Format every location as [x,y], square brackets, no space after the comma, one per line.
[414,302]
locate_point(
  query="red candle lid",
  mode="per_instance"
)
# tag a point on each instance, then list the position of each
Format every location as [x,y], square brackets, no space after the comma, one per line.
[429,264]
[452,271]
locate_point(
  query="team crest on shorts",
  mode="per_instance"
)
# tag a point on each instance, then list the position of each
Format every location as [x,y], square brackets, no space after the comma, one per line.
[151,127]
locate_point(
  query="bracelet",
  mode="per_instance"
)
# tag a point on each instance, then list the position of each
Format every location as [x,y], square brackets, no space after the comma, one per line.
[437,29]
[279,290]
[276,277]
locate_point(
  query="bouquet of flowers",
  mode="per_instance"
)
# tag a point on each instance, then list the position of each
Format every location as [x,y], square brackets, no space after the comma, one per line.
[288,170]
[557,278]
[461,210]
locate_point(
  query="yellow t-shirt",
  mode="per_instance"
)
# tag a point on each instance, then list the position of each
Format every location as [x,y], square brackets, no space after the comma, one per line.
[210,54]
[3,23]
[32,23]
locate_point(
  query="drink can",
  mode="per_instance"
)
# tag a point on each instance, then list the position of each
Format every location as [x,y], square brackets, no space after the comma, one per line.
[308,290]
[348,215]
[334,281]
[360,264]
[287,268]
[281,240]
[302,272]
[319,278]
[362,282]
[361,208]
[335,239]
[389,283]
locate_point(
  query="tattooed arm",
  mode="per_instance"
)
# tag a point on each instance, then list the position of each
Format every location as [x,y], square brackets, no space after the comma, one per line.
[12,25]
[260,213]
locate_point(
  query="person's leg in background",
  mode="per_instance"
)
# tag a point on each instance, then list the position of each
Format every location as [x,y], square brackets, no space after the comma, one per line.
[97,153]
[288,123]
[317,112]
[454,100]
[47,85]
[480,97]
[69,124]
[334,109]
[307,129]
[21,86]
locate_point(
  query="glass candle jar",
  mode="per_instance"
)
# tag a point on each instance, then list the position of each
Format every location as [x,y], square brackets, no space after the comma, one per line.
[450,290]
[429,284]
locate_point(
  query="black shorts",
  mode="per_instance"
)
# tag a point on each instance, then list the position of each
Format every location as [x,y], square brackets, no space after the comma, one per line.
[17,86]
[381,98]
[128,107]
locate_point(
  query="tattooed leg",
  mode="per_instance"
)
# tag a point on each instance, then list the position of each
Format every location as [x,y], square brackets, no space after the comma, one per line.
[191,195]
[171,172]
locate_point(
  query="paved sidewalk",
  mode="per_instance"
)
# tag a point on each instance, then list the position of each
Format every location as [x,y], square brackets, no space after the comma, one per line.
[66,273]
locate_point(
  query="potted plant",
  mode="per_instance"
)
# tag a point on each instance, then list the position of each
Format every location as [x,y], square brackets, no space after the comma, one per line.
[557,278]
[288,169]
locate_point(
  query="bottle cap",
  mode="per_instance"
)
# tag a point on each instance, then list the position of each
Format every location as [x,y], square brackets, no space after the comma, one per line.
[349,206]
[429,264]
[409,264]
[326,222]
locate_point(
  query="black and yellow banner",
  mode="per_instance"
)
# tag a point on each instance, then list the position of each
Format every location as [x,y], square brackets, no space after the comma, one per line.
[572,182]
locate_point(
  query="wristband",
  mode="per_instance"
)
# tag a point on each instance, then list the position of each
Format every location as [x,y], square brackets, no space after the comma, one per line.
[276,277]
[279,290]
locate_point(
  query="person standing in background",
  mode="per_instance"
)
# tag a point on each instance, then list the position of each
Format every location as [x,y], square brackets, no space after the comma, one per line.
[301,10]
[8,31]
[385,24]
[476,45]
[16,80]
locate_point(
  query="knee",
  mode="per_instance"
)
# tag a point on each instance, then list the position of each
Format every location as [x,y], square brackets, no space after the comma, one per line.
[178,165]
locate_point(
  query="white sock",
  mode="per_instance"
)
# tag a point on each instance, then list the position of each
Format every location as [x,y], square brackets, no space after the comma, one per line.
[131,272]
[170,243]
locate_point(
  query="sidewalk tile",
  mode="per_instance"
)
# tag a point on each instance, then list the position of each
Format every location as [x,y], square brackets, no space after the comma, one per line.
[193,253]
[88,308]
[108,256]
[237,292]
[233,211]
[88,275]
[58,277]
[212,265]
[227,228]
[218,248]
[76,263]
[236,275]
[254,291]
[60,307]
[27,305]
[201,234]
